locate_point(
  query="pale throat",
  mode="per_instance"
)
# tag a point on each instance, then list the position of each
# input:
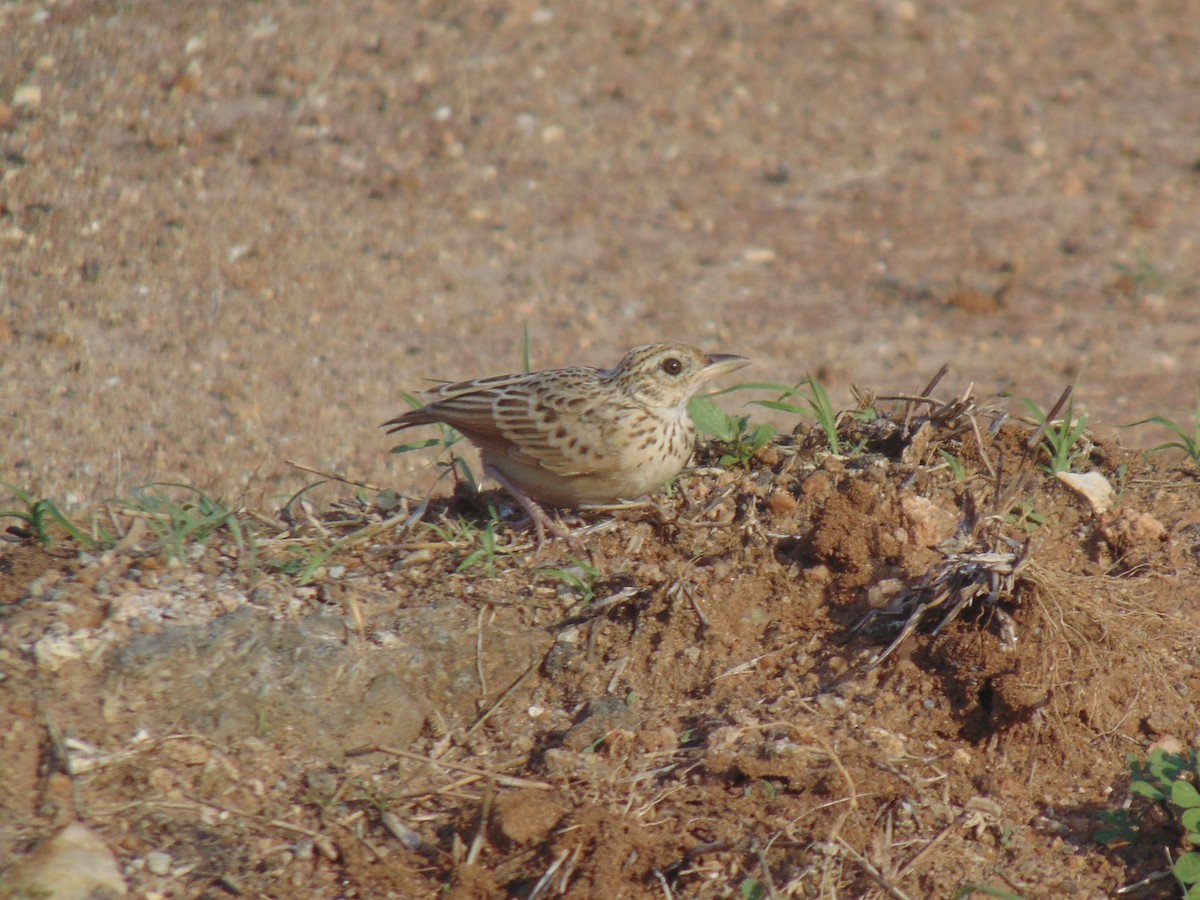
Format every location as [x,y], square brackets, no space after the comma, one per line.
[678,431]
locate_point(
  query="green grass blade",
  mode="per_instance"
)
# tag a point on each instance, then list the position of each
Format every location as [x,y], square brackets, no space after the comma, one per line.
[416,445]
[780,406]
[710,419]
[66,524]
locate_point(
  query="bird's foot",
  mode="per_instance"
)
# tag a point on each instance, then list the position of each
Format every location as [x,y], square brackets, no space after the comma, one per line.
[535,515]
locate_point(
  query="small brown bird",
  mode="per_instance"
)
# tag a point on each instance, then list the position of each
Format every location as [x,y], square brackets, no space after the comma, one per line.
[568,437]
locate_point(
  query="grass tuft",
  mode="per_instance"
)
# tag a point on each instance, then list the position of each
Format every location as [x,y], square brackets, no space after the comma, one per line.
[1188,438]
[816,404]
[193,519]
[740,440]
[1062,437]
[40,516]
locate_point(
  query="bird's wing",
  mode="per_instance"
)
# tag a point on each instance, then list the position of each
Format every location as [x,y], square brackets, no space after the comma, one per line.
[553,420]
[562,424]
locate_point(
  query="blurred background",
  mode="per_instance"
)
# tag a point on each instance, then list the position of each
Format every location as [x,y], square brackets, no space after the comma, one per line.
[232,234]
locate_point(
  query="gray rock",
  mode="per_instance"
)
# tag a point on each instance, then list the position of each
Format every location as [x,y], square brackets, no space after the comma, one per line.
[247,674]
[75,864]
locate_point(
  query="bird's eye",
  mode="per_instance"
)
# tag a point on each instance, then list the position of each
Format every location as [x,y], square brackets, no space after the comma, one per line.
[671,366]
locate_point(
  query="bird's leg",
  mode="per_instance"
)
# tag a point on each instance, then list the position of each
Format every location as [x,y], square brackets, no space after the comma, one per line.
[538,516]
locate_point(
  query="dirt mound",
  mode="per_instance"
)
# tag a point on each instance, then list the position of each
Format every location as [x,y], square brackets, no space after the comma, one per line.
[809,675]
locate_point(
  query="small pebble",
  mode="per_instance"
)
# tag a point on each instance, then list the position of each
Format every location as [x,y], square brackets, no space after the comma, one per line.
[831,704]
[27,96]
[758,255]
[158,862]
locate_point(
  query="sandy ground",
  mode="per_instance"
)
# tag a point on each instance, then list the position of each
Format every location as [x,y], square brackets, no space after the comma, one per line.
[232,234]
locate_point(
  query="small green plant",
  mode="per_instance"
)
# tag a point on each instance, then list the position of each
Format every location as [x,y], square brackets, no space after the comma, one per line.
[595,745]
[740,440]
[39,514]
[293,564]
[710,419]
[1188,438]
[581,577]
[192,520]
[1007,836]
[752,889]
[1027,519]
[1121,477]
[1168,779]
[485,553]
[463,531]
[1120,828]
[1061,439]
[957,469]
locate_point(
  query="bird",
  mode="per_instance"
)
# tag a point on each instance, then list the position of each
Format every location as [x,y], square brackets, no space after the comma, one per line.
[580,436]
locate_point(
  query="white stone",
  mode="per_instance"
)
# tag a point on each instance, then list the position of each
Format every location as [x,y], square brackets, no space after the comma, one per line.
[1093,486]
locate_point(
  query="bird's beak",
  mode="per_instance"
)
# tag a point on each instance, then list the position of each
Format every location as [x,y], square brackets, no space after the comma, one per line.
[720,363]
